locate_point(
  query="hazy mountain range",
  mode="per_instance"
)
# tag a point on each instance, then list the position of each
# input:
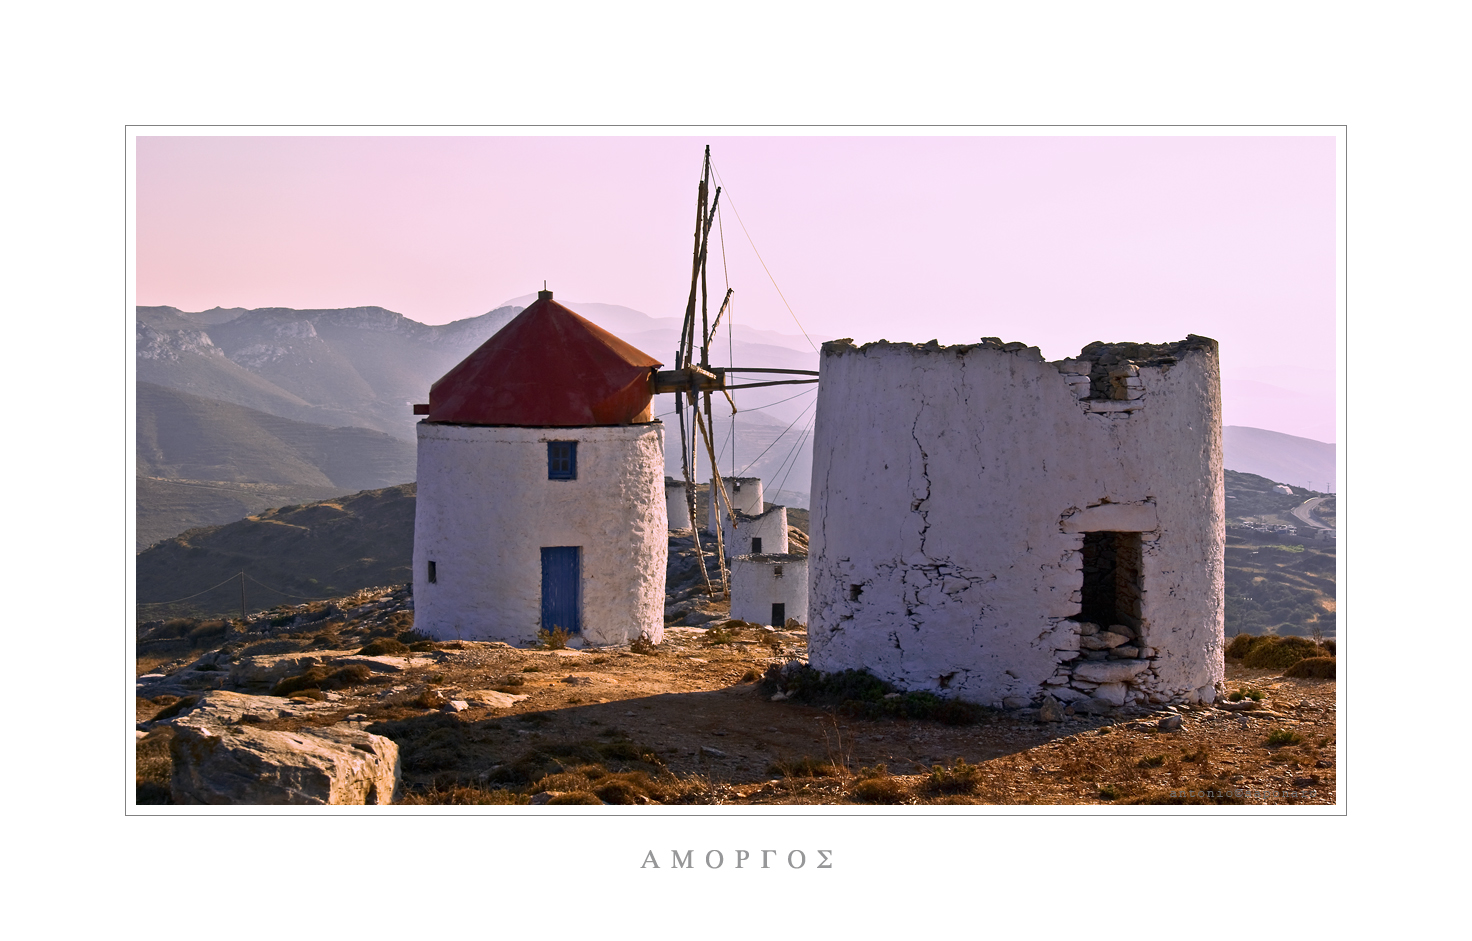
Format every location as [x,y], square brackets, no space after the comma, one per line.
[1287,459]
[241,410]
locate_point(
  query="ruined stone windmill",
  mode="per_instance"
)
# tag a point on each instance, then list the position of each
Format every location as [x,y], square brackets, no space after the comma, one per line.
[694,382]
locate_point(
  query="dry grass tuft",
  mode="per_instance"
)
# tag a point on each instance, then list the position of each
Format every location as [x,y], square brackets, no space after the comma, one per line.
[576,797]
[460,794]
[807,767]
[877,786]
[155,768]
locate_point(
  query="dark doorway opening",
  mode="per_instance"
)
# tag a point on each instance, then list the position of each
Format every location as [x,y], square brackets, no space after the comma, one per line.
[756,545]
[779,615]
[1112,591]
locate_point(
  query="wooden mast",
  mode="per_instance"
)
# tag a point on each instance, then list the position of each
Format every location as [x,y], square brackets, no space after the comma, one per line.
[692,379]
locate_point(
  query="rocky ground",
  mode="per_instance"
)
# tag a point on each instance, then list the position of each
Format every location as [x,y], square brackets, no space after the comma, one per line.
[708,717]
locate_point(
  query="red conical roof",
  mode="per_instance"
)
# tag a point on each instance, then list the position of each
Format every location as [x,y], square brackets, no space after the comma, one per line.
[548,366]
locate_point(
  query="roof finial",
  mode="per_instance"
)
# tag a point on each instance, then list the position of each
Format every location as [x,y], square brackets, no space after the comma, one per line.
[544,294]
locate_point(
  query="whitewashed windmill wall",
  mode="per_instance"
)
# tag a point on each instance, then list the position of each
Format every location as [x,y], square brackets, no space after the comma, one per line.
[677,505]
[769,531]
[758,582]
[957,490]
[745,494]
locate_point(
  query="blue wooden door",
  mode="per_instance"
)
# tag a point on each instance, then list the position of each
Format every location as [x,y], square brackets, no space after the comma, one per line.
[562,594]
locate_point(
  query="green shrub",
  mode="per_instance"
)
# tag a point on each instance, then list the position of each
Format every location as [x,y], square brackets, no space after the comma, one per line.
[1314,668]
[1279,737]
[556,639]
[1276,653]
[208,629]
[319,677]
[959,778]
[859,694]
[1241,644]
[720,635]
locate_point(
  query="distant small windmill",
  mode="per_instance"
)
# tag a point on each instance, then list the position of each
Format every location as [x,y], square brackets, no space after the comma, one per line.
[694,383]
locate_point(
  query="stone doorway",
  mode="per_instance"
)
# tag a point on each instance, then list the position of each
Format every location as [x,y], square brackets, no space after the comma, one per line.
[1112,592]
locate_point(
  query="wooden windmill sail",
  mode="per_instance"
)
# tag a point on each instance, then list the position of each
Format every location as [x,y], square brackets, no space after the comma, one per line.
[694,381]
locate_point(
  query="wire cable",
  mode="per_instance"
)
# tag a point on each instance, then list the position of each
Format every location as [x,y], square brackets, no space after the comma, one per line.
[776,439]
[758,408]
[280,592]
[762,260]
[796,449]
[149,604]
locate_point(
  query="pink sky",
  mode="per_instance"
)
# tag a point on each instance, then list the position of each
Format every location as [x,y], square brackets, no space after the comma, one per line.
[1055,241]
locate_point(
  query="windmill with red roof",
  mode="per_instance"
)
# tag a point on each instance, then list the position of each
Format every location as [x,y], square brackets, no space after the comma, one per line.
[541,488]
[541,501]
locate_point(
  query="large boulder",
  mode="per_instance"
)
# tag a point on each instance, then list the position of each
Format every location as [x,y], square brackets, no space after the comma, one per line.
[244,765]
[274,667]
[219,708]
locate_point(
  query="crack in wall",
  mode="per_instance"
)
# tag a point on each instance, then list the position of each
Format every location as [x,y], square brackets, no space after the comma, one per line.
[916,505]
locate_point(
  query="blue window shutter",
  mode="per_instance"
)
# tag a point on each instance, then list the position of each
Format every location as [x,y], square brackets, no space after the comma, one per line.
[562,460]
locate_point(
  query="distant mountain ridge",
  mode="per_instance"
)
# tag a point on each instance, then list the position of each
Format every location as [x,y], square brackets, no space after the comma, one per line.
[361,366]
[203,461]
[189,436]
[1286,459]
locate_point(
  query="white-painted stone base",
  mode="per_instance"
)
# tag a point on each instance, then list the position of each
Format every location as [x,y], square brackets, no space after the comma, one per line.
[745,494]
[676,503]
[770,528]
[485,509]
[760,581]
[953,491]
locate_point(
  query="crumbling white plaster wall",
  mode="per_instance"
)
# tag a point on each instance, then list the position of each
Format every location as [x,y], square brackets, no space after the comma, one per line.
[951,489]
[677,504]
[745,494]
[770,528]
[485,509]
[760,581]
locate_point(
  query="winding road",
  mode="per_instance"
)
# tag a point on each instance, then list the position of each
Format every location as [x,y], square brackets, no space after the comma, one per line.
[1304,512]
